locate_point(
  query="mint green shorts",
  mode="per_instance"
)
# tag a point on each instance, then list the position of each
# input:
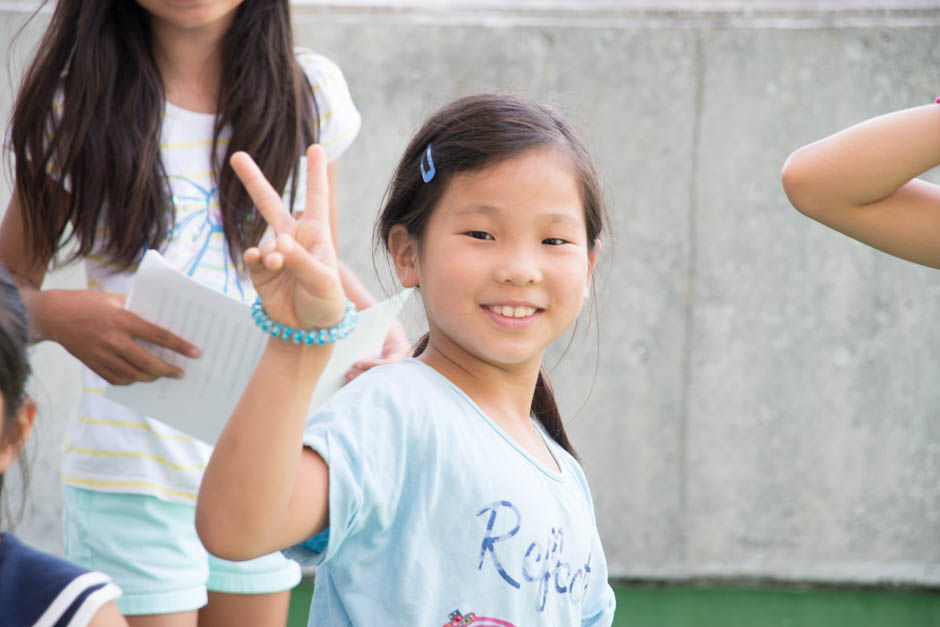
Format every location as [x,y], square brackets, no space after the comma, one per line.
[150,549]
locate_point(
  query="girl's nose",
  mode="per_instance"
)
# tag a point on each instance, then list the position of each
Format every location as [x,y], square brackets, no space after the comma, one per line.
[519,268]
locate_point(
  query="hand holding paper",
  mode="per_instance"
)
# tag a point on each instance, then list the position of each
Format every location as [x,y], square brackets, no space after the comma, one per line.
[201,402]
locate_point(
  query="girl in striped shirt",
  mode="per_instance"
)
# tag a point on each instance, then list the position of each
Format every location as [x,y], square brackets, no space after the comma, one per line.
[122,132]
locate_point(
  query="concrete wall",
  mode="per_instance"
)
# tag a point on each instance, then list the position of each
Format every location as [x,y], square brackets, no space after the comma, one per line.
[759,397]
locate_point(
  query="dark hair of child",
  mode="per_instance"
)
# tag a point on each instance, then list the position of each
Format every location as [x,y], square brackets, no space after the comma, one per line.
[14,358]
[84,165]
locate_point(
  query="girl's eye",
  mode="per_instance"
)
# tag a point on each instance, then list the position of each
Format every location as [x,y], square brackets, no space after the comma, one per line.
[553,241]
[479,235]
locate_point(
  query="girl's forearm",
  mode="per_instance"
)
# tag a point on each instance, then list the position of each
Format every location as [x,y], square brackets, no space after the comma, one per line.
[46,308]
[866,162]
[27,269]
[248,486]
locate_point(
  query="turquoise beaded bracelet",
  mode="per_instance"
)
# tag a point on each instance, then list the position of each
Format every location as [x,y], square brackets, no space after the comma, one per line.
[300,336]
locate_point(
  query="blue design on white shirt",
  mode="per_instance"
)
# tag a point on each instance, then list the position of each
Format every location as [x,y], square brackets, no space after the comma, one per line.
[540,563]
[209,227]
[489,541]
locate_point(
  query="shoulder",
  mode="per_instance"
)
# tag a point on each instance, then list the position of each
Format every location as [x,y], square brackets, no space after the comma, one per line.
[397,389]
[339,119]
[390,407]
[37,586]
[319,69]
[28,561]
[409,383]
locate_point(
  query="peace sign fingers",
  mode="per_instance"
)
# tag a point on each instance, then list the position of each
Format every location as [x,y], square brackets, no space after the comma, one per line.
[317,207]
[296,273]
[264,196]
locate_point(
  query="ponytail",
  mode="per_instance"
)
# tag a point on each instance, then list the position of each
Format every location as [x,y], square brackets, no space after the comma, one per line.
[544,408]
[421,345]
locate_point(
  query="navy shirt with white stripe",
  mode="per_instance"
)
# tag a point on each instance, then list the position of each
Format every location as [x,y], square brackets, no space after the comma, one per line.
[37,589]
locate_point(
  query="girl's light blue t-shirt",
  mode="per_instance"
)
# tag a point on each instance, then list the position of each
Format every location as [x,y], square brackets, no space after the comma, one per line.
[436,514]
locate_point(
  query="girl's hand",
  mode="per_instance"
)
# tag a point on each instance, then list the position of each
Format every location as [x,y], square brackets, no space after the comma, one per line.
[101,334]
[296,274]
[395,348]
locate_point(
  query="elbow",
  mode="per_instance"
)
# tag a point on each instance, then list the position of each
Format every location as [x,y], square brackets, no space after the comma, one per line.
[798,183]
[211,533]
[220,538]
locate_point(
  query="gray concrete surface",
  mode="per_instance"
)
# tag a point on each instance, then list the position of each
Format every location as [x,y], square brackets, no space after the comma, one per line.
[757,397]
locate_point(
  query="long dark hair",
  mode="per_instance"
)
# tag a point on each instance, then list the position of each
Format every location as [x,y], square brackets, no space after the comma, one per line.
[96,163]
[14,359]
[473,133]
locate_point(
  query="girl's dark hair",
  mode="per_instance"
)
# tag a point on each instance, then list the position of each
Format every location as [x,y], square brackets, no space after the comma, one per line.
[473,133]
[96,163]
[14,359]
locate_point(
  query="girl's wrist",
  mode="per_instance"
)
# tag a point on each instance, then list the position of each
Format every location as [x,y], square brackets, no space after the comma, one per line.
[43,307]
[299,363]
[278,345]
[305,337]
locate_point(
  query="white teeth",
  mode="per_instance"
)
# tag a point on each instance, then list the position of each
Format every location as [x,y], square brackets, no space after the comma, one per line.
[512,312]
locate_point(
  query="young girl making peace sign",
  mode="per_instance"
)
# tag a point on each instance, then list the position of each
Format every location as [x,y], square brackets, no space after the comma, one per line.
[440,490]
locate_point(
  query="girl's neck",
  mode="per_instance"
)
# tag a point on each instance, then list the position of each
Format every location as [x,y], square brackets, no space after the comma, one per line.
[190,63]
[503,393]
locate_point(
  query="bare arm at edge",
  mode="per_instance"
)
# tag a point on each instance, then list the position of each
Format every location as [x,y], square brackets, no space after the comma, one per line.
[861,182]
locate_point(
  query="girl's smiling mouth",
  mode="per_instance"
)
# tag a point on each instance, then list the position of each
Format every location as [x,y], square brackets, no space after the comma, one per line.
[512,316]
[512,311]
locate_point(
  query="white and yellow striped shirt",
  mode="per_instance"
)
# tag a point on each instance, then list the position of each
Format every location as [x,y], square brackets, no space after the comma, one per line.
[109,446]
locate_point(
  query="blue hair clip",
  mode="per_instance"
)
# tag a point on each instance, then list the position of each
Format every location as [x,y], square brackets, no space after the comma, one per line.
[428,174]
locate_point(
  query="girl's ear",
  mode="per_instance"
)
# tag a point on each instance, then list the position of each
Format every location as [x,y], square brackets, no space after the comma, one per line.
[12,443]
[593,253]
[404,251]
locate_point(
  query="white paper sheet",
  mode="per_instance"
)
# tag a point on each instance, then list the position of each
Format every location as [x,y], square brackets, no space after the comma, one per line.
[201,402]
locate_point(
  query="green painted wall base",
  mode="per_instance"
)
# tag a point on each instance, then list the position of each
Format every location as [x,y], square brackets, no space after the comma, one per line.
[641,606]
[690,606]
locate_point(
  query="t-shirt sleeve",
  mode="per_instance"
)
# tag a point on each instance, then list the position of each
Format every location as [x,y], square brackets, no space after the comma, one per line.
[599,601]
[82,598]
[339,120]
[52,165]
[361,435]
